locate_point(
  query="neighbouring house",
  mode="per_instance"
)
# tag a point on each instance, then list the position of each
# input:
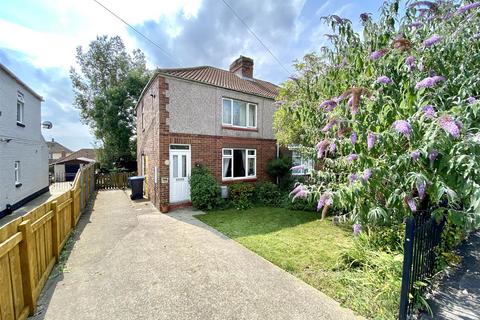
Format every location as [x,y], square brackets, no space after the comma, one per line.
[298,160]
[204,116]
[57,151]
[66,168]
[23,151]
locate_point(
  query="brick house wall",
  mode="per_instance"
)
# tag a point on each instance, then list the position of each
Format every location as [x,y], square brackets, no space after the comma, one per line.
[163,104]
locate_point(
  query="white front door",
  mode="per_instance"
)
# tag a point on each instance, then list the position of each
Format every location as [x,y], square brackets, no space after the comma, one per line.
[180,168]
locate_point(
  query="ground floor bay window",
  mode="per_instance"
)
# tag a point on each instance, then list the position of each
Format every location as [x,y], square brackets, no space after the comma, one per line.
[239,163]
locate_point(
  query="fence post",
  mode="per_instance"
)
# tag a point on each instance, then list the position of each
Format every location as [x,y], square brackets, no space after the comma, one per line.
[55,235]
[73,215]
[27,266]
[407,267]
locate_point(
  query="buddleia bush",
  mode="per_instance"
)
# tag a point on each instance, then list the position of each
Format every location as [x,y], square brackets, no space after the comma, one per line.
[391,115]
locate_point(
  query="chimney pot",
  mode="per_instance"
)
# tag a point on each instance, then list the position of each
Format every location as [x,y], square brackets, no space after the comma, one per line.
[242,67]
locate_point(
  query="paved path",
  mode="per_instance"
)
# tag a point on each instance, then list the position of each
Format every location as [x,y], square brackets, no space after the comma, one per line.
[131,262]
[458,294]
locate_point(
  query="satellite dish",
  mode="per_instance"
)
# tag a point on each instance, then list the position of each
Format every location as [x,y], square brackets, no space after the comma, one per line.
[47,125]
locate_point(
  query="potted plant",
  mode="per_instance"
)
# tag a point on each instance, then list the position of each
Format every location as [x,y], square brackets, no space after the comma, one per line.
[164,207]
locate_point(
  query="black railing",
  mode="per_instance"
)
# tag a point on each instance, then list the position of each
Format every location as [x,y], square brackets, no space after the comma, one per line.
[422,236]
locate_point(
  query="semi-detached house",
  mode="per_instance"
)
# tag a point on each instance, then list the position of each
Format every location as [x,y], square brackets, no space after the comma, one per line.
[204,116]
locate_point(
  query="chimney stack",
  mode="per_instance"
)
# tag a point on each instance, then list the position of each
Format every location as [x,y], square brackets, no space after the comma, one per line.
[242,67]
[53,140]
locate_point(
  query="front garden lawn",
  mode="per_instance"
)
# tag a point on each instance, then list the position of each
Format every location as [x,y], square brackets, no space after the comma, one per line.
[298,242]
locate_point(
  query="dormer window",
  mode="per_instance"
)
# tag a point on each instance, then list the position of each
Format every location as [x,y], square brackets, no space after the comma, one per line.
[20,107]
[239,113]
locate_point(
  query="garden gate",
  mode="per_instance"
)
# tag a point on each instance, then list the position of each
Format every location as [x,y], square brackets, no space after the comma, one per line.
[422,236]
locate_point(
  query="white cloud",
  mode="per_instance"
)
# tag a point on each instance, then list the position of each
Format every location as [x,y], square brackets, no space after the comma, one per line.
[79,22]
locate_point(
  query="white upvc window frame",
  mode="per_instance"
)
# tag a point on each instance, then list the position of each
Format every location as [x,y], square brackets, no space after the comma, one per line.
[308,163]
[17,172]
[21,105]
[247,111]
[249,154]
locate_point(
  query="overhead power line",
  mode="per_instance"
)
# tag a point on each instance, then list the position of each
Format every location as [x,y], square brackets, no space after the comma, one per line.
[257,37]
[165,52]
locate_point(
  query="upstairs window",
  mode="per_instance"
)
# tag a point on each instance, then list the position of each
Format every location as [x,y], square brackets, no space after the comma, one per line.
[239,113]
[20,107]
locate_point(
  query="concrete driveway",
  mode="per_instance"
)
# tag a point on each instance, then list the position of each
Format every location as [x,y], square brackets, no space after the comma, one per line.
[131,262]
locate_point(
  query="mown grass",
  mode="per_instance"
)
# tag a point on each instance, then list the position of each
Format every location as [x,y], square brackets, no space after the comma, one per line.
[312,250]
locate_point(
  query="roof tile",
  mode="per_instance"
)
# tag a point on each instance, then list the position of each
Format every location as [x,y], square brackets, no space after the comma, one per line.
[224,79]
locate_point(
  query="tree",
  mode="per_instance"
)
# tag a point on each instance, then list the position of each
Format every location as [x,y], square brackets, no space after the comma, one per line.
[106,88]
[392,118]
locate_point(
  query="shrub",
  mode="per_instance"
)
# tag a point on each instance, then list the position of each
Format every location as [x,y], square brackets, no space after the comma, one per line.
[268,194]
[279,169]
[241,195]
[204,190]
[390,114]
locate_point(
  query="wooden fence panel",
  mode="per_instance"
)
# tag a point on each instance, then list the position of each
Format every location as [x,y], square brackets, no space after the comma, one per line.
[108,181]
[30,246]
[12,303]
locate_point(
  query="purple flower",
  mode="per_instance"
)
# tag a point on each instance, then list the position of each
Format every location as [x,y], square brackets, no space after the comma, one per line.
[421,186]
[325,200]
[299,167]
[357,229]
[429,111]
[299,192]
[476,36]
[471,100]
[365,17]
[450,125]
[415,155]
[329,125]
[411,203]
[321,148]
[403,127]
[378,54]
[371,138]
[367,173]
[468,7]
[353,137]
[410,61]
[429,82]
[328,105]
[332,147]
[432,40]
[353,177]
[415,25]
[384,80]
[350,101]
[352,157]
[432,155]
[431,5]
[297,189]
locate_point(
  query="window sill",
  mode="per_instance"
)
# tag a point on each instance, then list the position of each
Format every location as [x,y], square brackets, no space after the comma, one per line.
[20,124]
[18,185]
[233,180]
[226,127]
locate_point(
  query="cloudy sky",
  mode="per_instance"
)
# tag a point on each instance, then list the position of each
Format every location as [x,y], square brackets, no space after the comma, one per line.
[38,40]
